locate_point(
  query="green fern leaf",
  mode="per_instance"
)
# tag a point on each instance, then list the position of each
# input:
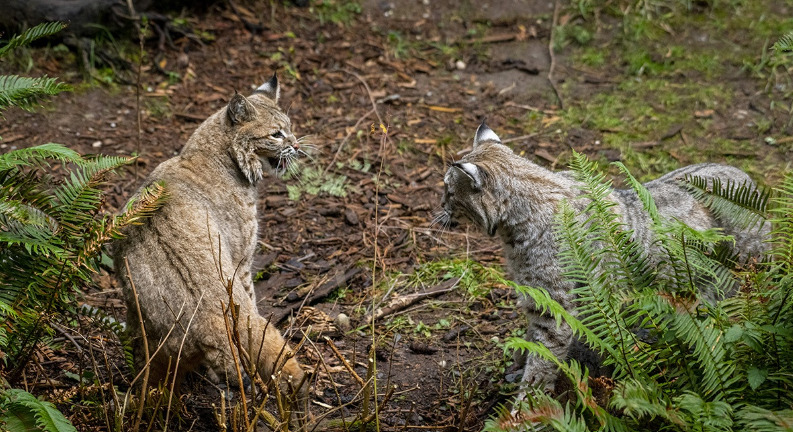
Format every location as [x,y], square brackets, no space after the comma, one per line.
[25,92]
[784,44]
[758,419]
[37,156]
[30,35]
[743,204]
[22,411]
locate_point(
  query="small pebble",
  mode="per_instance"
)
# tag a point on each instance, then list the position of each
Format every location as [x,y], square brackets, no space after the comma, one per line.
[460,65]
[343,322]
[96,144]
[351,217]
[113,124]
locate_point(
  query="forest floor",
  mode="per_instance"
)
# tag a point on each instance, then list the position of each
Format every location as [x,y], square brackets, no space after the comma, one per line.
[656,88]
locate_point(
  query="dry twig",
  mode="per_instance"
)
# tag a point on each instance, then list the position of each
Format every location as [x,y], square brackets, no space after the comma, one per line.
[553,57]
[404,301]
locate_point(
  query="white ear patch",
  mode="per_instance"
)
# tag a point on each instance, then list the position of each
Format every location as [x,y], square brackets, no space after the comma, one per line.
[472,171]
[265,88]
[489,135]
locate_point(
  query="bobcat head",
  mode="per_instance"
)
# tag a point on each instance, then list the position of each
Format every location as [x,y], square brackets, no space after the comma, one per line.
[477,187]
[262,138]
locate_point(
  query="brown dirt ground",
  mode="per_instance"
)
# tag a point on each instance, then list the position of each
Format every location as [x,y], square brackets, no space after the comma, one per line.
[431,108]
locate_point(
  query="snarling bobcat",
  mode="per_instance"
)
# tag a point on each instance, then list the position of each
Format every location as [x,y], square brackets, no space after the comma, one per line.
[517,200]
[182,258]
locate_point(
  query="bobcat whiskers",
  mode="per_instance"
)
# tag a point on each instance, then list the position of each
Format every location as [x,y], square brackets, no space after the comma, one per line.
[443,219]
[306,142]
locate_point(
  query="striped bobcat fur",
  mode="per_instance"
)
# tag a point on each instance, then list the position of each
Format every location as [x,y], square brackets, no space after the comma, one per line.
[517,200]
[204,236]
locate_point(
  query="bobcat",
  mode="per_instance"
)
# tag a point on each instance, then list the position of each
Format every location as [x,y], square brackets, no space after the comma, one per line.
[204,237]
[509,196]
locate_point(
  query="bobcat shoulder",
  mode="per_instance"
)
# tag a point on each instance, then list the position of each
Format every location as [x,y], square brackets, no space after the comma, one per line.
[204,237]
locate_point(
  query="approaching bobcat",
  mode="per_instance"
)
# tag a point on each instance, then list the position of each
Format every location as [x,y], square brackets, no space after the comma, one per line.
[205,235]
[509,196]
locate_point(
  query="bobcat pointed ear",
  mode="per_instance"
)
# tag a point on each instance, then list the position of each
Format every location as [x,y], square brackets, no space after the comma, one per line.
[271,89]
[484,133]
[240,110]
[472,171]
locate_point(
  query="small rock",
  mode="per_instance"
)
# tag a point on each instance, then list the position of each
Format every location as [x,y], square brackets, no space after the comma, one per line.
[342,321]
[292,297]
[460,65]
[351,217]
[96,144]
[422,348]
[295,264]
[513,377]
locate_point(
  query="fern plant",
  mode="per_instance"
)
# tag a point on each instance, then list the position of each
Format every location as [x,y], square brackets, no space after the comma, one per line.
[51,230]
[681,360]
[24,92]
[52,234]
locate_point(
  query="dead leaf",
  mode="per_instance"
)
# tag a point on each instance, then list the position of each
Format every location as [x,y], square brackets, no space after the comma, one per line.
[542,153]
[547,121]
[444,109]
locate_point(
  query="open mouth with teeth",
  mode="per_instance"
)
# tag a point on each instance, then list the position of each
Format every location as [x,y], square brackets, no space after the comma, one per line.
[276,162]
[282,162]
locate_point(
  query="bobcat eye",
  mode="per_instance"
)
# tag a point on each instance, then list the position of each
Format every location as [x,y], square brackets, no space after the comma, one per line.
[277,134]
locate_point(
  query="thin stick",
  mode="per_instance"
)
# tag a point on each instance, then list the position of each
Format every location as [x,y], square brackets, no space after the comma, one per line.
[553,57]
[145,383]
[344,361]
[369,93]
[234,356]
[137,83]
[403,302]
[178,357]
[347,138]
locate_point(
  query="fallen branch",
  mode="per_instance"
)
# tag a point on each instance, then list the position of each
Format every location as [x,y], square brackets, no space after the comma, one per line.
[402,302]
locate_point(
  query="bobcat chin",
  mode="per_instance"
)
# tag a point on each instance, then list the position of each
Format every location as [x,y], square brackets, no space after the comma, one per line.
[204,237]
[516,200]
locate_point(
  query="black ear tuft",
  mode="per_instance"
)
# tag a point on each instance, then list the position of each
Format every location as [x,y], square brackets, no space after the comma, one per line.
[484,133]
[271,89]
[239,110]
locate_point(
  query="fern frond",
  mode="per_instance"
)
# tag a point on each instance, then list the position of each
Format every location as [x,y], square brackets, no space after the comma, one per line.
[704,415]
[26,92]
[744,204]
[148,200]
[31,34]
[20,410]
[706,338]
[37,156]
[644,195]
[756,419]
[784,44]
[78,196]
[642,401]
[782,221]
[26,214]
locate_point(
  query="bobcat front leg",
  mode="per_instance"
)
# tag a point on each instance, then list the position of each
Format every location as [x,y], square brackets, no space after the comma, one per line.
[539,372]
